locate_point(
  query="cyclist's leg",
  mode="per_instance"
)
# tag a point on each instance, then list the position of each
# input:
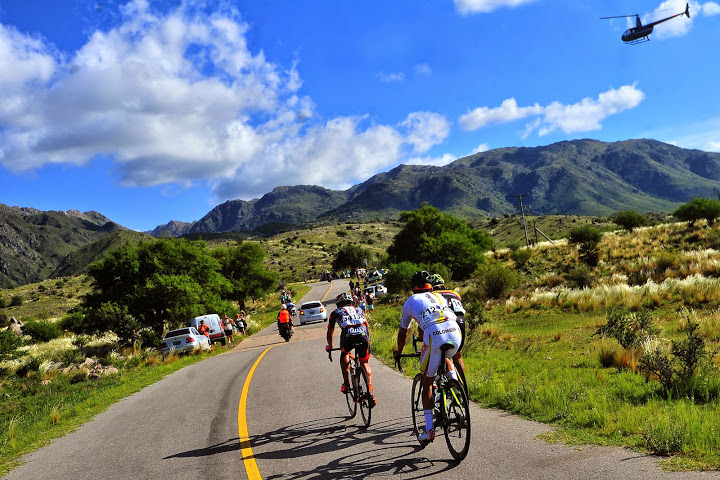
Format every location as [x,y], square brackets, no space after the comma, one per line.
[458,355]
[344,361]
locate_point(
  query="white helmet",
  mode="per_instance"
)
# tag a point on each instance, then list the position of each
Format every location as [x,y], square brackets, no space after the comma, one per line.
[283,307]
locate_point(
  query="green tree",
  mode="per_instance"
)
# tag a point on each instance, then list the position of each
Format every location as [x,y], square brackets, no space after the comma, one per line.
[167,280]
[397,279]
[430,236]
[243,267]
[698,208]
[350,256]
[629,220]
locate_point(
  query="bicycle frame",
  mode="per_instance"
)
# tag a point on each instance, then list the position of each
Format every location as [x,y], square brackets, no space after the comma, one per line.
[359,391]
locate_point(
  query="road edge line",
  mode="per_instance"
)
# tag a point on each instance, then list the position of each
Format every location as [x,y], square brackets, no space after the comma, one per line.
[251,467]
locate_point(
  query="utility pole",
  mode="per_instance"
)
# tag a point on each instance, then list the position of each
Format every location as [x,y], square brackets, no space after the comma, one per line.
[522,214]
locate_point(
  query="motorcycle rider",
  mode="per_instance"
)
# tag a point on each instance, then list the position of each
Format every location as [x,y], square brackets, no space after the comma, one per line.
[354,333]
[284,319]
[436,319]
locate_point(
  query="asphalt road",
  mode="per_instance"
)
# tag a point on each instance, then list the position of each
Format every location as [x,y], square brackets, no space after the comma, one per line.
[188,426]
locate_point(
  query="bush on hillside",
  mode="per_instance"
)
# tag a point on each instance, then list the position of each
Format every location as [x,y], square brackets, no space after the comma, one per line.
[629,220]
[496,280]
[9,342]
[41,331]
[697,209]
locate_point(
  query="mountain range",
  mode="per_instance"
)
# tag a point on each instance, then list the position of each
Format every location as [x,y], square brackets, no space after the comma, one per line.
[579,177]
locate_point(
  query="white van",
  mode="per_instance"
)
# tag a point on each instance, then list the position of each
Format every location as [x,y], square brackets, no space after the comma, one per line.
[212,320]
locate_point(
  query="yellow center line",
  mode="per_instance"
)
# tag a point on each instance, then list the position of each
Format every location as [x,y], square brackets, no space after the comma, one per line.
[327,293]
[245,449]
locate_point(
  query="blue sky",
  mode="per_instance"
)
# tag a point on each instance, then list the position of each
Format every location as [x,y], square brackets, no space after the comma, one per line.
[155,110]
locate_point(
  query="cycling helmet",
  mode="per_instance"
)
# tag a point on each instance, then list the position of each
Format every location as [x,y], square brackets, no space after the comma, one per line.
[283,307]
[343,299]
[420,282]
[436,280]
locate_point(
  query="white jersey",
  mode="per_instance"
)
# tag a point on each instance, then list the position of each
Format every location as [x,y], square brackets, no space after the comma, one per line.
[438,321]
[428,309]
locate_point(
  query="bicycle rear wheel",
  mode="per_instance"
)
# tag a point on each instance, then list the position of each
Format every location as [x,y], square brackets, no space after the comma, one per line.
[457,419]
[350,395]
[416,407]
[363,395]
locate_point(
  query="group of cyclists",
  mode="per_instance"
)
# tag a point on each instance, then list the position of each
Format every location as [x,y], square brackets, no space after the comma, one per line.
[440,317]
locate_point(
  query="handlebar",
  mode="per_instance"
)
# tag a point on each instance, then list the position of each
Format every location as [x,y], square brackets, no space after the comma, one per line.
[330,352]
[416,354]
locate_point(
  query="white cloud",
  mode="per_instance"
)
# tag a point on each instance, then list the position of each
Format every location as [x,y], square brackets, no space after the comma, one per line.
[467,7]
[710,8]
[390,77]
[179,98]
[423,69]
[583,116]
[425,130]
[713,147]
[674,27]
[506,112]
[483,147]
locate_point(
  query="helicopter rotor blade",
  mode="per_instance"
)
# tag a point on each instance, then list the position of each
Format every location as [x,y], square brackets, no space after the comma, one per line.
[620,16]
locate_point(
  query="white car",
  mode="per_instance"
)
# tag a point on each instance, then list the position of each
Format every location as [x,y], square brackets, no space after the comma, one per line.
[312,311]
[182,340]
[378,290]
[373,277]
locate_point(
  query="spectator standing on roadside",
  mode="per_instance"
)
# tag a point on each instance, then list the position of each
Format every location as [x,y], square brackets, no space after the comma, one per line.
[228,327]
[369,300]
[352,285]
[240,322]
[204,329]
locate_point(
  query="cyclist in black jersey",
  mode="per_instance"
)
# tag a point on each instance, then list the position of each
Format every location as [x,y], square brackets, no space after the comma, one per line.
[354,334]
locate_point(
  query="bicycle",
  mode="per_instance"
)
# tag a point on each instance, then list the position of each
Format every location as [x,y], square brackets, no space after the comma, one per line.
[451,410]
[359,390]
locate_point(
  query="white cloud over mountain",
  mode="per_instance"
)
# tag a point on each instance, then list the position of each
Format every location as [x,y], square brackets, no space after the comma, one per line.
[583,116]
[179,98]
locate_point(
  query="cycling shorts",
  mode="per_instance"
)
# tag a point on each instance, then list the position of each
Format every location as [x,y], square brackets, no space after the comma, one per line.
[356,337]
[435,337]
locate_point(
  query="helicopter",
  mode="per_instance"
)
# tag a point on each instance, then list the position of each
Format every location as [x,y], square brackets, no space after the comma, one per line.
[640,33]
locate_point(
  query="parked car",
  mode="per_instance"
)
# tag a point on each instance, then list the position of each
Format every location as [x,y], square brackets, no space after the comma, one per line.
[373,276]
[182,340]
[212,320]
[378,290]
[312,311]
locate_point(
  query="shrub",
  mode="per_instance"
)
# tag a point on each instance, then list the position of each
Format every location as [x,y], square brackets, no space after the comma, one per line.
[8,344]
[579,276]
[16,300]
[698,208]
[497,280]
[341,233]
[629,329]
[521,257]
[676,369]
[584,234]
[42,331]
[74,322]
[629,220]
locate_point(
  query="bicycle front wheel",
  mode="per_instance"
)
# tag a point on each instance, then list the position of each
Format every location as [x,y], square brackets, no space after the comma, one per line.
[350,395]
[457,419]
[461,377]
[363,395]
[416,407]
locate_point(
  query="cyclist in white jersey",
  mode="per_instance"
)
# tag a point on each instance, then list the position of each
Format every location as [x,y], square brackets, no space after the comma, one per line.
[436,319]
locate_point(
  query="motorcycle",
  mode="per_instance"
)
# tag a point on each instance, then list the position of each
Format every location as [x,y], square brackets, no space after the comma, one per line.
[286,331]
[291,308]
